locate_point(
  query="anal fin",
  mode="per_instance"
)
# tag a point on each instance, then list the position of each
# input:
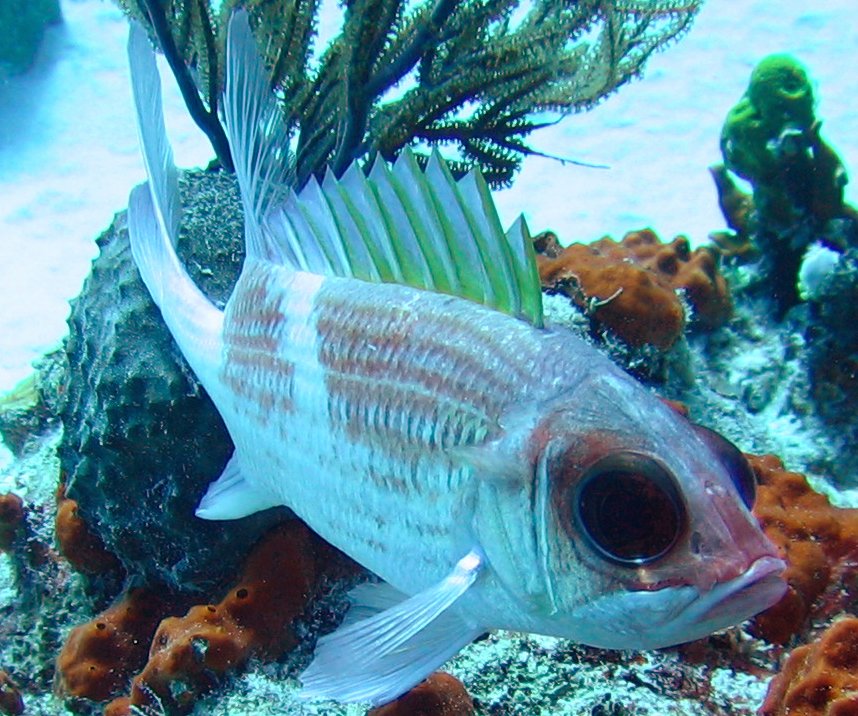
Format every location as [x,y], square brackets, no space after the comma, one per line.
[380,657]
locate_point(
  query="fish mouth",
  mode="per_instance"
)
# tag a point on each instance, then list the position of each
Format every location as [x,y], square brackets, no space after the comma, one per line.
[677,614]
[756,589]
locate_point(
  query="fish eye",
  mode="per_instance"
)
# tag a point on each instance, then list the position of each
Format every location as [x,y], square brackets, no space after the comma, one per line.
[734,462]
[629,509]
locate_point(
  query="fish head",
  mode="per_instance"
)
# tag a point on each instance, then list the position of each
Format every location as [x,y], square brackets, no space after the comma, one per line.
[633,528]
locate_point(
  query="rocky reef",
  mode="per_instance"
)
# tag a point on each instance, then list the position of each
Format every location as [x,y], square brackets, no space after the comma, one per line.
[772,139]
[792,248]
[141,439]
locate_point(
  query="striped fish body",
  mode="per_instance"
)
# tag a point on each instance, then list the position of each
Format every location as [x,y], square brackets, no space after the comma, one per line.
[348,400]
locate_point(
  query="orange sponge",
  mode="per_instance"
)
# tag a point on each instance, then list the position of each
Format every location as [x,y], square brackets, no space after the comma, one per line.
[439,695]
[11,519]
[189,653]
[100,656]
[85,551]
[818,679]
[631,286]
[11,702]
[819,541]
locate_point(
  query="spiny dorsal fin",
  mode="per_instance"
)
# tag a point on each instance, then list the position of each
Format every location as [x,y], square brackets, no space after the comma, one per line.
[420,228]
[397,225]
[258,137]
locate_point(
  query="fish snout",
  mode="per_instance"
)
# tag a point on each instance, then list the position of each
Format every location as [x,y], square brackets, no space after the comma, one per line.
[729,541]
[752,591]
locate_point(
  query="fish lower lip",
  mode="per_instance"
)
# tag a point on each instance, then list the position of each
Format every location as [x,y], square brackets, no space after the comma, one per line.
[749,593]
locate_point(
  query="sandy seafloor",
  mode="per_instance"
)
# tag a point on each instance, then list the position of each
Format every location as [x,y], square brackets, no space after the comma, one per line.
[68,157]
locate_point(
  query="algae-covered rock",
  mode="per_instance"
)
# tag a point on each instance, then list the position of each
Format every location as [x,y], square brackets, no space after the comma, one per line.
[22,24]
[142,440]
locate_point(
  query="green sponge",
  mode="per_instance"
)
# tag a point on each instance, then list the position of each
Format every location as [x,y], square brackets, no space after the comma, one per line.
[779,98]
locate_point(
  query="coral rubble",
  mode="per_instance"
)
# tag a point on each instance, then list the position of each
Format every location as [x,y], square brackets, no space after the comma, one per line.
[819,679]
[820,544]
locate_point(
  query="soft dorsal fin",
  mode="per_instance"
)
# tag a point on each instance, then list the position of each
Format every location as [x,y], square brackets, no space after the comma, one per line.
[403,225]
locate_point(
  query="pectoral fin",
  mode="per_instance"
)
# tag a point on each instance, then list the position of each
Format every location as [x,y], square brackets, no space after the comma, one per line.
[382,656]
[231,496]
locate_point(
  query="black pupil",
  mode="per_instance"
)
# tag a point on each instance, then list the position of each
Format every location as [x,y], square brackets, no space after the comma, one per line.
[628,515]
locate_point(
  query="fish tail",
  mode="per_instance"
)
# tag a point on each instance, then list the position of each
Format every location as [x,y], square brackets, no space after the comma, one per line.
[154,214]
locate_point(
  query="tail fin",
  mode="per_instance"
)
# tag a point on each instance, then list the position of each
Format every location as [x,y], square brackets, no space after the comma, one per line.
[154,213]
[158,159]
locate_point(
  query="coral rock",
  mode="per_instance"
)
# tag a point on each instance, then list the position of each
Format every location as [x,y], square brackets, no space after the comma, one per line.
[84,550]
[833,343]
[819,679]
[190,652]
[99,657]
[440,695]
[11,519]
[141,439]
[819,542]
[11,701]
[630,286]
[23,414]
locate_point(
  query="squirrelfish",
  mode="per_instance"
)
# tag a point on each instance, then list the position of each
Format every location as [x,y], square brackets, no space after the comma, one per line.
[384,369]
